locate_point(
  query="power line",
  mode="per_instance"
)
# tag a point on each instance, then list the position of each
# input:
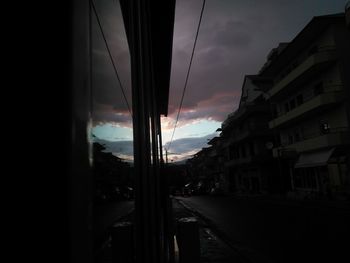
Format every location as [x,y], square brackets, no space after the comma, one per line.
[188,73]
[110,55]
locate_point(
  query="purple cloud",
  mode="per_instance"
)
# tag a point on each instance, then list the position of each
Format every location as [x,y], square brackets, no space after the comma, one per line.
[234,40]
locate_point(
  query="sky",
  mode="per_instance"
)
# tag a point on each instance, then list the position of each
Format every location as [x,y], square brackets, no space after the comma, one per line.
[234,40]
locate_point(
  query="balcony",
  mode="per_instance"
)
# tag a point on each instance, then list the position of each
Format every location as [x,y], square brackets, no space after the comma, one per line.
[308,108]
[259,158]
[332,139]
[239,161]
[311,65]
[244,112]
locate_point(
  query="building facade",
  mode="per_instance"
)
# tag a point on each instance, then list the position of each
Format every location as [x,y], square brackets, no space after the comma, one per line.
[248,164]
[240,160]
[310,94]
[290,133]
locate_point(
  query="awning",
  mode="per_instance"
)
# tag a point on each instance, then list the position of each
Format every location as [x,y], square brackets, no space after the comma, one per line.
[314,159]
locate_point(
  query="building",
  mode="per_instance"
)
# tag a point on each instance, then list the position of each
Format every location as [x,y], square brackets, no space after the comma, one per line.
[215,165]
[201,168]
[310,94]
[240,160]
[248,164]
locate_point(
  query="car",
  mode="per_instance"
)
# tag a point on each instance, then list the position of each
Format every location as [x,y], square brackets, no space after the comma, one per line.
[187,191]
[199,189]
[128,193]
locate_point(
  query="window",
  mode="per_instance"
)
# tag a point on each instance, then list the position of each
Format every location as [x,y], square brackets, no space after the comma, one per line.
[290,139]
[318,89]
[274,112]
[251,149]
[297,178]
[243,151]
[297,136]
[278,140]
[305,178]
[295,64]
[286,107]
[313,50]
[292,104]
[236,152]
[309,178]
[300,99]
[231,154]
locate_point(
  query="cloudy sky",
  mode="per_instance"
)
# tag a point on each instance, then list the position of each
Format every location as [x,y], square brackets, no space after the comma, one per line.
[234,40]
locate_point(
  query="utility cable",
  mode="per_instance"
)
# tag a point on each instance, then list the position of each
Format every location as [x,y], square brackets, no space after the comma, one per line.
[110,55]
[188,73]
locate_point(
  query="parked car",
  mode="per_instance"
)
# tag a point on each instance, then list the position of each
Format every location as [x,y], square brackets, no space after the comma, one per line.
[199,189]
[188,189]
[175,191]
[128,193]
[216,191]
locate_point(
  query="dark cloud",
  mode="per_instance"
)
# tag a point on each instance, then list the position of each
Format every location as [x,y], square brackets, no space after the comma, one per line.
[101,117]
[215,108]
[109,102]
[234,40]
[235,34]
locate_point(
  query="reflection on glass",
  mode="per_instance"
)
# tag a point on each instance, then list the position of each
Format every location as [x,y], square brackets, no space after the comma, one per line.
[112,129]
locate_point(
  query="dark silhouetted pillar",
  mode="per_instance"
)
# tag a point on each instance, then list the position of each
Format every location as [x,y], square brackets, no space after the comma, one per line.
[188,240]
[122,243]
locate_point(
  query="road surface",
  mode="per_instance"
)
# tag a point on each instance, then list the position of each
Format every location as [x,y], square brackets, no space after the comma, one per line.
[270,231]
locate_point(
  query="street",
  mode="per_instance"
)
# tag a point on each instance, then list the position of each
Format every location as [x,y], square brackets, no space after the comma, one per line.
[105,215]
[270,231]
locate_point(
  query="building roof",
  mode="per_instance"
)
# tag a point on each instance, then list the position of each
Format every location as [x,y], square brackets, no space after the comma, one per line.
[251,101]
[288,52]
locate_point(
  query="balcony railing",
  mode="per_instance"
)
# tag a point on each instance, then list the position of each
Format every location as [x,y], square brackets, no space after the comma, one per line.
[325,55]
[322,100]
[247,109]
[257,158]
[335,137]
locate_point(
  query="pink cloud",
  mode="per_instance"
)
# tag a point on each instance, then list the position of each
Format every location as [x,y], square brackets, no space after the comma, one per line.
[215,108]
[103,113]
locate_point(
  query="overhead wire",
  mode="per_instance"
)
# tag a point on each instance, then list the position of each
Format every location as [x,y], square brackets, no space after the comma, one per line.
[110,55]
[187,76]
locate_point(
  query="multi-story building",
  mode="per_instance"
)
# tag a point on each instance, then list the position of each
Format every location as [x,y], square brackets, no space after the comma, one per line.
[215,164]
[310,95]
[247,142]
[200,167]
